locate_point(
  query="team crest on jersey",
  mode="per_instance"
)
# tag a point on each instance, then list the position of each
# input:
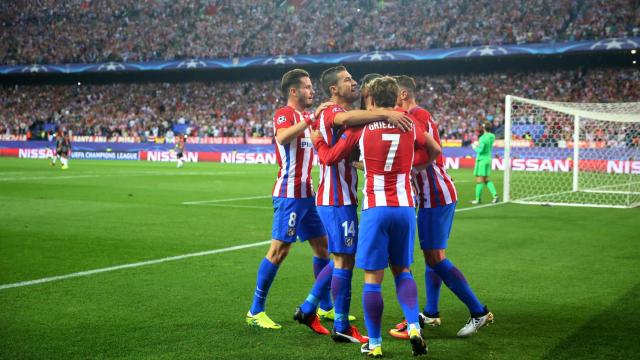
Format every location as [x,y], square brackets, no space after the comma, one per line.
[281,119]
[291,231]
[348,241]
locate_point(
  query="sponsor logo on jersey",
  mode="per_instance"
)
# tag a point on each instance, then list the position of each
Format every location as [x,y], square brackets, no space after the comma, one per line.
[281,119]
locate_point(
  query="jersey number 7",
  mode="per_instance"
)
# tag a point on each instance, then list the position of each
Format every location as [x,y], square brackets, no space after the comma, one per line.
[395,140]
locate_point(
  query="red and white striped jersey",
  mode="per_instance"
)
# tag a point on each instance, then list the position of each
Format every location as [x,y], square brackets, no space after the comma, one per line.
[295,158]
[387,153]
[338,182]
[433,185]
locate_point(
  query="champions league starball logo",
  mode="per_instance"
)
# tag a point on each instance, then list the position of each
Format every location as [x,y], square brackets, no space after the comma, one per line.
[35,68]
[613,44]
[280,60]
[487,51]
[192,64]
[111,66]
[377,56]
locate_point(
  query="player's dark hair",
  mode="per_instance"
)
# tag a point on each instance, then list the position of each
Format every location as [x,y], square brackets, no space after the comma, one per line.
[384,91]
[363,85]
[406,83]
[291,79]
[487,126]
[329,78]
[367,79]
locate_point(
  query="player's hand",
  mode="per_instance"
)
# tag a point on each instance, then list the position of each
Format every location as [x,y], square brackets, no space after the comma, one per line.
[399,120]
[321,107]
[315,135]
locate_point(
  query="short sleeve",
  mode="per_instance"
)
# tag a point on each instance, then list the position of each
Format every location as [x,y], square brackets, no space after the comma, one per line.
[329,115]
[283,119]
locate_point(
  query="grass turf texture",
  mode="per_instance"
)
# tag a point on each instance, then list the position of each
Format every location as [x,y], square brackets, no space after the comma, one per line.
[562,282]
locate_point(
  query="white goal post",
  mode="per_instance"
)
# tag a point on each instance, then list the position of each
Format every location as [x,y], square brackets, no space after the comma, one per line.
[573,154]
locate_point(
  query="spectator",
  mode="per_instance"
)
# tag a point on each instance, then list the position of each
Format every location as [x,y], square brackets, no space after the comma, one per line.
[82,31]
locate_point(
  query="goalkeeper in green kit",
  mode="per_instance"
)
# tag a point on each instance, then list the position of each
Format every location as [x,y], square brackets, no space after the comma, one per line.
[482,170]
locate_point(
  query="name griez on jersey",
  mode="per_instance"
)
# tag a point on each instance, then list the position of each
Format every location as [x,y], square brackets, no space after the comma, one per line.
[380,125]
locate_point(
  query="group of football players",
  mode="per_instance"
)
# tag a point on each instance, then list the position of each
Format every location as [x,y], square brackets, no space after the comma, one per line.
[396,143]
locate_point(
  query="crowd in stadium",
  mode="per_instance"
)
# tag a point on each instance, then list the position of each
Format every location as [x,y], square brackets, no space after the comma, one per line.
[245,109]
[84,31]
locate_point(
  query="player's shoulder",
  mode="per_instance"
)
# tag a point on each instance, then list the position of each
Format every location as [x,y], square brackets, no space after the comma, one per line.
[332,110]
[285,110]
[283,114]
[335,108]
[420,113]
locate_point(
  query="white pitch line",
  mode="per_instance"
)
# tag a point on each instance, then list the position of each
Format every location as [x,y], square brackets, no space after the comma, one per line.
[479,207]
[237,206]
[132,265]
[162,260]
[49,177]
[225,200]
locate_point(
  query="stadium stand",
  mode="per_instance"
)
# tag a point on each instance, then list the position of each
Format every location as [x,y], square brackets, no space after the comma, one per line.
[245,109]
[82,31]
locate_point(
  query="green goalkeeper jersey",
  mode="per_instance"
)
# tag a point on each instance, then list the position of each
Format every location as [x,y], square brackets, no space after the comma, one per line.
[485,145]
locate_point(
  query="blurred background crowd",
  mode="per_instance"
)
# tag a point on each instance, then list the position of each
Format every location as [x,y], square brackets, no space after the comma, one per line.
[89,31]
[458,102]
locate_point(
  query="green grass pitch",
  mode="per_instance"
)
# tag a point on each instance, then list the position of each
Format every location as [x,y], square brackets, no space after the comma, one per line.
[563,283]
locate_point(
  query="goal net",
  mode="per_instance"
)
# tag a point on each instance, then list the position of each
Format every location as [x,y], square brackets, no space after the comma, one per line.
[575,154]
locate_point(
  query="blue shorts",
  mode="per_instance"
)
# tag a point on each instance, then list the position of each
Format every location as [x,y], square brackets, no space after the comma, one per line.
[341,224]
[386,237]
[296,218]
[434,226]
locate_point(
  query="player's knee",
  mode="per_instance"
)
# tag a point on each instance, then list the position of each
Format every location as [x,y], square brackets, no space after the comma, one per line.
[320,247]
[397,270]
[434,256]
[344,261]
[278,252]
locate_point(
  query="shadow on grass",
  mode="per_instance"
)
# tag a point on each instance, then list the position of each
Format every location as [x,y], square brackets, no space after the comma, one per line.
[611,334]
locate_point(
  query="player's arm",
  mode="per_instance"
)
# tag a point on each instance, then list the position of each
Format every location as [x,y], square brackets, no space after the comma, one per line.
[433,150]
[355,118]
[332,155]
[482,144]
[287,131]
[321,108]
